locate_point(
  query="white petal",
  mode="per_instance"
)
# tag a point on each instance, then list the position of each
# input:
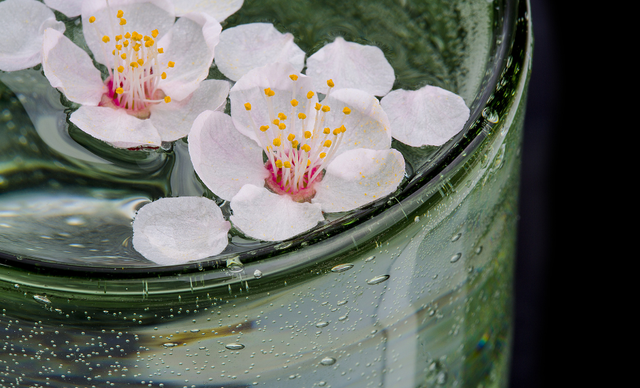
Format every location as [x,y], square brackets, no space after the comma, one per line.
[69,68]
[142,16]
[190,44]
[358,177]
[116,127]
[263,215]
[177,230]
[223,158]
[22,23]
[351,65]
[250,88]
[71,8]
[218,9]
[174,120]
[428,116]
[367,124]
[249,46]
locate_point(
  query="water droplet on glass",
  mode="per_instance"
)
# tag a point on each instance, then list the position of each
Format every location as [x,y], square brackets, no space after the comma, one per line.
[490,115]
[235,265]
[368,259]
[456,237]
[455,257]
[342,302]
[41,299]
[322,383]
[416,219]
[169,344]
[234,346]
[377,279]
[322,324]
[478,250]
[341,267]
[257,274]
[328,361]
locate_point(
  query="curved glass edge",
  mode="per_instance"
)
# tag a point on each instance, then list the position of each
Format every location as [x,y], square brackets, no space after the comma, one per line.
[428,186]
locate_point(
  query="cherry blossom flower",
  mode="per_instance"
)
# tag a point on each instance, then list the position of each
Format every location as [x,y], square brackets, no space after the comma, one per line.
[22,23]
[156,66]
[321,157]
[427,116]
[177,230]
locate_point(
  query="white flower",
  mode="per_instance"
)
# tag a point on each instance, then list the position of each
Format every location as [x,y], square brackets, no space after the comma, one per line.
[332,156]
[156,67]
[428,116]
[176,230]
[22,23]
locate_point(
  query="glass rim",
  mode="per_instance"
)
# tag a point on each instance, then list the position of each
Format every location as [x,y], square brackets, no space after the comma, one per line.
[336,233]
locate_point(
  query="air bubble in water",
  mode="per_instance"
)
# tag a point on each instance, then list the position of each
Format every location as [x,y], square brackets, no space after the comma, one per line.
[342,267]
[257,274]
[328,361]
[377,279]
[41,299]
[234,346]
[368,259]
[322,324]
[455,257]
[456,237]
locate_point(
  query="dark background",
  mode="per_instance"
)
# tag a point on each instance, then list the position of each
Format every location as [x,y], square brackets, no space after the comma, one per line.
[547,312]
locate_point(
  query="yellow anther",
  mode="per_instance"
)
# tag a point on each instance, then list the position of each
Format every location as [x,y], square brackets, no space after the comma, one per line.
[307,134]
[118,38]
[327,143]
[337,131]
[119,90]
[120,69]
[126,43]
[291,137]
[167,99]
[160,50]
[247,106]
[326,131]
[326,108]
[105,39]
[146,38]
[140,61]
[279,163]
[163,75]
[287,164]
[92,19]
[136,47]
[269,92]
[154,33]
[263,128]
[310,95]
[318,106]
[330,83]
[346,110]
[282,116]
[120,13]
[276,122]
[277,142]
[123,21]
[294,102]
[149,43]
[306,147]
[127,35]
[119,47]
[293,77]
[302,116]
[343,129]
[133,64]
[113,52]
[294,144]
[322,155]
[308,163]
[282,126]
[171,64]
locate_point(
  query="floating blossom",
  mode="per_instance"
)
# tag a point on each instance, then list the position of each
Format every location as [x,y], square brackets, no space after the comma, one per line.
[22,23]
[177,230]
[152,93]
[429,116]
[332,156]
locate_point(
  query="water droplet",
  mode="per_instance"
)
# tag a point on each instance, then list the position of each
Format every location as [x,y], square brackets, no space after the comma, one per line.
[455,257]
[342,318]
[16,286]
[456,237]
[234,346]
[342,302]
[478,250]
[41,299]
[291,377]
[490,115]
[235,265]
[342,267]
[416,219]
[195,330]
[322,324]
[322,383]
[257,274]
[377,279]
[368,259]
[75,221]
[169,344]
[328,361]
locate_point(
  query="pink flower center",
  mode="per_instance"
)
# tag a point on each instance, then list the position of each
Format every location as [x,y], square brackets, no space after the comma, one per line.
[136,70]
[295,166]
